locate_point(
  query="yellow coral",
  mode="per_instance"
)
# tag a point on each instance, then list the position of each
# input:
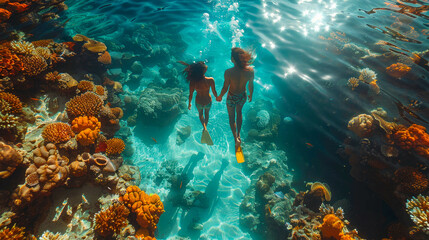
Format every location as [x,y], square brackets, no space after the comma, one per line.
[57,132]
[111,220]
[22,47]
[418,209]
[147,208]
[87,136]
[115,146]
[87,104]
[13,102]
[14,233]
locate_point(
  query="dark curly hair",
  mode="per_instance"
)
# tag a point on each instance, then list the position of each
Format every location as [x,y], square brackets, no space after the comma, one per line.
[194,72]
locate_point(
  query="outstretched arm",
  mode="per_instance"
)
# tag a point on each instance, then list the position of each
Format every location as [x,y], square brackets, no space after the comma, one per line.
[212,84]
[191,94]
[251,86]
[225,86]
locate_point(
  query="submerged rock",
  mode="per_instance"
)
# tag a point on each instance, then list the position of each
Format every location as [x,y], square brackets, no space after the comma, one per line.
[182,134]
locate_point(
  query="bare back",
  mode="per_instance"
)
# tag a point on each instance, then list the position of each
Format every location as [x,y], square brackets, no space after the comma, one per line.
[238,79]
[203,87]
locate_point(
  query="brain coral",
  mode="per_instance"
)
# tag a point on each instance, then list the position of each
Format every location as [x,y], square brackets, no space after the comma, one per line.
[85,86]
[13,102]
[362,125]
[57,132]
[87,104]
[398,70]
[411,180]
[9,160]
[99,90]
[115,146]
[13,233]
[111,220]
[10,63]
[147,208]
[81,123]
[33,65]
[263,118]
[418,209]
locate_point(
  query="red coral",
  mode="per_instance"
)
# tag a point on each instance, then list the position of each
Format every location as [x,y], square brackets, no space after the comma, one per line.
[414,137]
[10,64]
[4,15]
[18,7]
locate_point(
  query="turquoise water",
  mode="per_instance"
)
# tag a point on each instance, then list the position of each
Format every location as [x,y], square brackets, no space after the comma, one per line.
[305,52]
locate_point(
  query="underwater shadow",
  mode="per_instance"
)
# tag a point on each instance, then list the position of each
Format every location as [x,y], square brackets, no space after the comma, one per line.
[175,198]
[202,208]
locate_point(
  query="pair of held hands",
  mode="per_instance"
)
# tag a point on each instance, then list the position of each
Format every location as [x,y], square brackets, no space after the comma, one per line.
[219,99]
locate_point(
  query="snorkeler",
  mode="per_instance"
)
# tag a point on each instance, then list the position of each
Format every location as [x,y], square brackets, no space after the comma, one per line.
[195,75]
[236,79]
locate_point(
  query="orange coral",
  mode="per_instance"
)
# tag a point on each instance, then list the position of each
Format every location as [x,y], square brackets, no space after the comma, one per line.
[143,234]
[117,111]
[87,128]
[57,132]
[115,146]
[13,102]
[33,65]
[4,14]
[105,58]
[14,233]
[147,208]
[87,104]
[85,86]
[81,123]
[414,137]
[332,227]
[52,76]
[99,90]
[18,7]
[111,220]
[398,70]
[10,64]
[411,180]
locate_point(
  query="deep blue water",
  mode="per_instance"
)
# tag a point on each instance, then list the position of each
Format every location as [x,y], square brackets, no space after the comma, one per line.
[298,71]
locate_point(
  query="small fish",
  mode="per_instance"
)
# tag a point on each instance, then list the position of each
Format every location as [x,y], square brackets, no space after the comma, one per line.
[153,139]
[269,210]
[309,145]
[181,182]
[160,9]
[84,199]
[35,99]
[132,20]
[104,6]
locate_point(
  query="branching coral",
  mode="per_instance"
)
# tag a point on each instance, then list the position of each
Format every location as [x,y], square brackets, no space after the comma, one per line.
[362,125]
[9,160]
[414,137]
[353,83]
[43,52]
[22,47]
[418,209]
[57,132]
[148,208]
[87,104]
[411,180]
[85,86]
[398,70]
[13,102]
[52,76]
[115,146]
[13,233]
[367,75]
[111,220]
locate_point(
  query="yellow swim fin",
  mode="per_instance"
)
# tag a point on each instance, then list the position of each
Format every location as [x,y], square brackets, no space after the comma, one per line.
[206,139]
[239,155]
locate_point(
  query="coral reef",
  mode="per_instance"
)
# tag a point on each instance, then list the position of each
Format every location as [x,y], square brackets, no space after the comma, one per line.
[115,146]
[411,180]
[414,137]
[398,70]
[87,104]
[9,160]
[418,209]
[13,233]
[111,221]
[362,125]
[147,208]
[85,86]
[87,129]
[13,102]
[57,132]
